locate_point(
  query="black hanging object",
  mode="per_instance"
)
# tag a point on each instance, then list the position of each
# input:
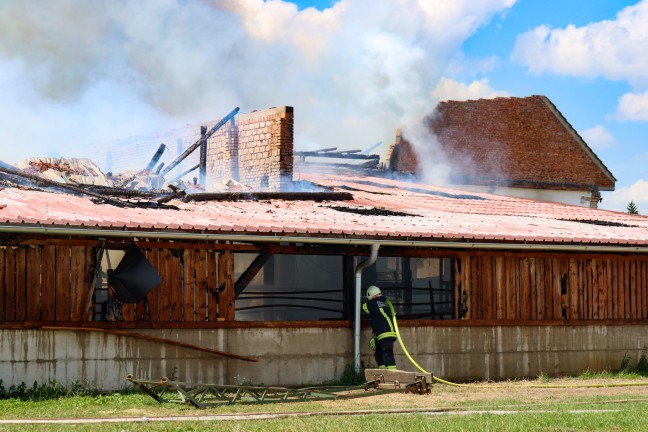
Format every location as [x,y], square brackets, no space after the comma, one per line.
[134,277]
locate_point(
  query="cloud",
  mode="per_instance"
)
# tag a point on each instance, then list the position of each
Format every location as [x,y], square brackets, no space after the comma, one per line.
[633,106]
[612,49]
[598,137]
[448,89]
[76,72]
[620,198]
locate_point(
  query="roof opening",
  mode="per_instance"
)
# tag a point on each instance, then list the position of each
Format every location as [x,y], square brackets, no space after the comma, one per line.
[601,222]
[372,211]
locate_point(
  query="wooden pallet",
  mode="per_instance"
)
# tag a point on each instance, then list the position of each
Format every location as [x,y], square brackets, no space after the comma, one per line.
[409,382]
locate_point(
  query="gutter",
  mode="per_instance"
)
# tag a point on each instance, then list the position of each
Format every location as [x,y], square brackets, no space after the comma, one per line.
[358,295]
[246,238]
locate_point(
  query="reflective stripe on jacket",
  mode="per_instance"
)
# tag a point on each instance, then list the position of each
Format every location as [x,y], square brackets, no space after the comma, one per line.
[382,320]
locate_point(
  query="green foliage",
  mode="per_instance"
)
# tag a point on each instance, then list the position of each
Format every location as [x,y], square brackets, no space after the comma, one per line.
[46,391]
[173,373]
[641,368]
[632,208]
[642,364]
[625,363]
[349,377]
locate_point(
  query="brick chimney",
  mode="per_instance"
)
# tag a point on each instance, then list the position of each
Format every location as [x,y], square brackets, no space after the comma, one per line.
[256,149]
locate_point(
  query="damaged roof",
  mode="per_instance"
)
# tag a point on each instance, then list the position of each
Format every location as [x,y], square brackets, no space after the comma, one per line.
[373,208]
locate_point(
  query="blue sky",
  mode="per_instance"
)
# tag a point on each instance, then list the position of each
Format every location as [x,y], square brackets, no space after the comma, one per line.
[76,72]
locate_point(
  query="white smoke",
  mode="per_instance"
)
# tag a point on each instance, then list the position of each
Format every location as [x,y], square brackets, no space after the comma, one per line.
[75,72]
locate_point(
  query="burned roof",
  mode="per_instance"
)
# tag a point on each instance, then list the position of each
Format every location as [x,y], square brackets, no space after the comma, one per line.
[393,209]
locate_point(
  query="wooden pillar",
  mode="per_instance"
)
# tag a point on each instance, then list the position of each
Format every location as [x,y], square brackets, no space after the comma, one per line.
[226,305]
[348,287]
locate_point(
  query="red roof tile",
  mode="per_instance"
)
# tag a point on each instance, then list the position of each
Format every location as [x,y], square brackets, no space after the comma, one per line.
[520,142]
[437,213]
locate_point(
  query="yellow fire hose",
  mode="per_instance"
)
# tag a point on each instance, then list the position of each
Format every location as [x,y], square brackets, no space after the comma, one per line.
[450,383]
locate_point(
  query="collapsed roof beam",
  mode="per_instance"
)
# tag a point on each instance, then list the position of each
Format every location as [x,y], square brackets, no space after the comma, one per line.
[253,196]
[202,139]
[179,176]
[46,182]
[349,154]
[156,157]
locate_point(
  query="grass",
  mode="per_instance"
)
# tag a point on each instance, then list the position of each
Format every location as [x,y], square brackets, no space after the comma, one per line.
[628,417]
[509,408]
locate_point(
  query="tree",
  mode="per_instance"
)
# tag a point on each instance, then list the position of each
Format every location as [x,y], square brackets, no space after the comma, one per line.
[632,208]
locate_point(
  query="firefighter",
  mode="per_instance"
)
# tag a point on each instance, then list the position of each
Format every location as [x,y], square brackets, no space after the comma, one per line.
[382,322]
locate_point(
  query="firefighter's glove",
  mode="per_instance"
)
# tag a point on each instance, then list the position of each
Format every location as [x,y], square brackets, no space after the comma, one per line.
[372,344]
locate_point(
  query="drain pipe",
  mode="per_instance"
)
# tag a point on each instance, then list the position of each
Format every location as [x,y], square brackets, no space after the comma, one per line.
[358,296]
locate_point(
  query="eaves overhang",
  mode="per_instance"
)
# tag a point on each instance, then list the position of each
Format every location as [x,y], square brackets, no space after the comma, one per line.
[467,244]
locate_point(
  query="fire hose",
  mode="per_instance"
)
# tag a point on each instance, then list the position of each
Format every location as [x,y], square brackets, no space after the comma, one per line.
[450,383]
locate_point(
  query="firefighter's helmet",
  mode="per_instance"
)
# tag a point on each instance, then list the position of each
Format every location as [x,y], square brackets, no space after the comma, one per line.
[373,291]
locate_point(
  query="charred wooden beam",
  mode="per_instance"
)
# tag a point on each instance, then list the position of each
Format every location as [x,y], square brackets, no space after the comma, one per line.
[202,175]
[253,269]
[205,137]
[351,154]
[128,193]
[328,149]
[45,182]
[159,168]
[178,177]
[156,157]
[177,193]
[256,196]
[366,165]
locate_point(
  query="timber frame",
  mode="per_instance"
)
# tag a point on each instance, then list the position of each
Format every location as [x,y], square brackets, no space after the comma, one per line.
[46,280]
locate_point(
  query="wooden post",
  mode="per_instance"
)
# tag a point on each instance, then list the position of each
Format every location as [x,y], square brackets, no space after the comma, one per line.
[226,305]
[87,303]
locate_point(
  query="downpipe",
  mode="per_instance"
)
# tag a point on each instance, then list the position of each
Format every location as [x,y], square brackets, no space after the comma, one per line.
[358,304]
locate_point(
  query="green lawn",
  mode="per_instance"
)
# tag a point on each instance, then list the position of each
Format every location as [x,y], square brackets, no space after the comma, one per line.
[511,407]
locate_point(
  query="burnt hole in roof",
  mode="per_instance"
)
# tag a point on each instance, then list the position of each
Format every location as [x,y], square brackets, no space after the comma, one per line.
[349,188]
[602,223]
[422,191]
[370,211]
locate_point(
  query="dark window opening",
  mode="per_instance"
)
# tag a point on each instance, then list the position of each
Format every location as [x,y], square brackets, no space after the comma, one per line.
[419,288]
[291,288]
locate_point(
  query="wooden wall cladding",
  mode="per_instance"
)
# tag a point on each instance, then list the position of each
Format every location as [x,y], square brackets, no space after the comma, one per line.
[545,287]
[43,283]
[50,283]
[188,292]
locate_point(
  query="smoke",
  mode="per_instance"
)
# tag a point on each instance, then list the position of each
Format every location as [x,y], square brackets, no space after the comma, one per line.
[76,72]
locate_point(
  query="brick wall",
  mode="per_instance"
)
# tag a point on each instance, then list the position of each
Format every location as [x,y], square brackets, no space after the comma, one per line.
[255,149]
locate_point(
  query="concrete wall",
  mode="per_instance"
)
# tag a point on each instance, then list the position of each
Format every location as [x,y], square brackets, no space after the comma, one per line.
[507,352]
[295,356]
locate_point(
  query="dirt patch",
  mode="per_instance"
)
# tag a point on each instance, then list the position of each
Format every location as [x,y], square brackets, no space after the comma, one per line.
[568,391]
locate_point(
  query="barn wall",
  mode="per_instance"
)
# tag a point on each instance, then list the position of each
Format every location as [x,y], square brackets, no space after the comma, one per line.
[297,356]
[539,287]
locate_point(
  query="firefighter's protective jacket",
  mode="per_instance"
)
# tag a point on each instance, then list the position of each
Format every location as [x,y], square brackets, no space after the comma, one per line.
[382,320]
